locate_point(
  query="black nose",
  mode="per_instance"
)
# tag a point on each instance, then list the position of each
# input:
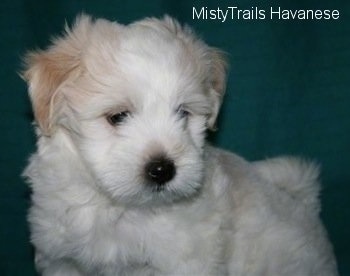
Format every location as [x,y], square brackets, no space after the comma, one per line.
[160,170]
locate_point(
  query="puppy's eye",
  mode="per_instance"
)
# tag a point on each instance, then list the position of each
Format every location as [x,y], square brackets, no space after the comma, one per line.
[118,118]
[182,112]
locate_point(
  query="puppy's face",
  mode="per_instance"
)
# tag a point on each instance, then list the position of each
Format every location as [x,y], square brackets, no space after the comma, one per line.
[135,102]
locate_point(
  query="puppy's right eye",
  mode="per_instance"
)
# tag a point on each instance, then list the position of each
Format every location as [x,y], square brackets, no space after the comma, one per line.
[182,112]
[118,118]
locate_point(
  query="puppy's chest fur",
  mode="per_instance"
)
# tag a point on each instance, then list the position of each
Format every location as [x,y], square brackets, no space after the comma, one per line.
[105,240]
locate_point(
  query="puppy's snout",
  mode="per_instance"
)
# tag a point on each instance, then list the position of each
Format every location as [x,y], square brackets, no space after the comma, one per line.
[160,170]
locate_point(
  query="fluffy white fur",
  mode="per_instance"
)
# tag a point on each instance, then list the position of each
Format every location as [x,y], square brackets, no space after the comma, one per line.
[93,212]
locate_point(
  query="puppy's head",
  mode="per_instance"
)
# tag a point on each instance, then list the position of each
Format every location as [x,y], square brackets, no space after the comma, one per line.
[135,101]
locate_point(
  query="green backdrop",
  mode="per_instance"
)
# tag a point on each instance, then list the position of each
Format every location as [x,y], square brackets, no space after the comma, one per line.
[288,93]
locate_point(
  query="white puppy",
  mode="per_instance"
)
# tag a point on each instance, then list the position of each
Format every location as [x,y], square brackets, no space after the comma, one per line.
[123,182]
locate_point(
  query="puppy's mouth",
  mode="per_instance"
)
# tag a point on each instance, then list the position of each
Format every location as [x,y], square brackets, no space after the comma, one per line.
[158,188]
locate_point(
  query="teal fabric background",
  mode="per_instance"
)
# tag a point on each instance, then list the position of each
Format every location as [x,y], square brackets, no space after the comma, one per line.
[288,93]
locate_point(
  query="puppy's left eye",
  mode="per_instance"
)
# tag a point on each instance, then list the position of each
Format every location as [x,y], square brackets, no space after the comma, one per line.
[182,112]
[118,118]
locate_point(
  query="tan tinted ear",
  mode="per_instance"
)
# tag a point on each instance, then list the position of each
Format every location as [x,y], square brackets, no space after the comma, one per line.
[217,82]
[47,71]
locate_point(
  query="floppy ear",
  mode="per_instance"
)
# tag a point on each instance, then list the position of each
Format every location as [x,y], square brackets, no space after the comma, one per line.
[46,72]
[211,59]
[217,82]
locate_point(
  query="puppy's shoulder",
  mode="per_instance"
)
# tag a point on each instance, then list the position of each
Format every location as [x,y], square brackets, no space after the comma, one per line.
[227,172]
[281,177]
